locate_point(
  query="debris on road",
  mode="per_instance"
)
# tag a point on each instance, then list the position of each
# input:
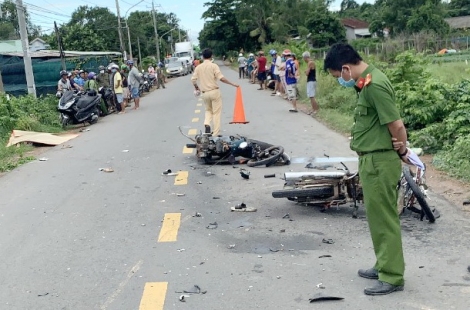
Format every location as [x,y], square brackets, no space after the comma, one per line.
[41,295]
[84,129]
[320,167]
[198,182]
[243,208]
[328,241]
[274,250]
[169,173]
[287,216]
[231,246]
[278,277]
[466,202]
[282,231]
[197,214]
[196,289]
[245,174]
[269,175]
[43,159]
[182,298]
[181,250]
[212,225]
[67,146]
[322,256]
[107,169]
[320,285]
[215,197]
[322,297]
[125,151]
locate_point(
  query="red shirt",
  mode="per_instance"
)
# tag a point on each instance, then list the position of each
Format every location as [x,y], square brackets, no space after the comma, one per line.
[262,64]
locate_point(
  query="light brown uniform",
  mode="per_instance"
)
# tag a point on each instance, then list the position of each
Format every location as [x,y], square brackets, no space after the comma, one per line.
[207,74]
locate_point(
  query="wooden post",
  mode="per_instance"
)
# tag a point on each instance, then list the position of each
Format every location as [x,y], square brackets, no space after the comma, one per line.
[1,84]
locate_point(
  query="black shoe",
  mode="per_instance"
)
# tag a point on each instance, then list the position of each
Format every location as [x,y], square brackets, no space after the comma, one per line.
[369,273]
[208,129]
[383,288]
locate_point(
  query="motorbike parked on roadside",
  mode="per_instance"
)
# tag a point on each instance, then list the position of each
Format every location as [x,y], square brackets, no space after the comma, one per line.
[76,108]
[108,96]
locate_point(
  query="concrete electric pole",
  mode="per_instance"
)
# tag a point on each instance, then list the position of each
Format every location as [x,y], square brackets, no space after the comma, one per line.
[156,32]
[28,67]
[119,28]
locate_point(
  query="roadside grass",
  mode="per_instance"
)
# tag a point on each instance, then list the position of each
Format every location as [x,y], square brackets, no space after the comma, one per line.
[24,113]
[450,72]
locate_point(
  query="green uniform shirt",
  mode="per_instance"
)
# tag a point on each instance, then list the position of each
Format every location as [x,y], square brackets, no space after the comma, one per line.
[375,109]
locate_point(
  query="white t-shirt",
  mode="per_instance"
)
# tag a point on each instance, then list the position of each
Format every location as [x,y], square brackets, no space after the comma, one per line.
[282,72]
[277,65]
[241,62]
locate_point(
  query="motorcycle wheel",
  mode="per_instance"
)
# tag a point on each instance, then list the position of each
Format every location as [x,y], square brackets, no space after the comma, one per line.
[317,192]
[275,152]
[97,113]
[64,121]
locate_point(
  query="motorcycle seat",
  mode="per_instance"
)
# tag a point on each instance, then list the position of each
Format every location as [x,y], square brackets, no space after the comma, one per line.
[296,176]
[85,101]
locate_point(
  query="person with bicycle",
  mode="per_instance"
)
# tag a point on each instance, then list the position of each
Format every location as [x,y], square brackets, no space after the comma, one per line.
[377,122]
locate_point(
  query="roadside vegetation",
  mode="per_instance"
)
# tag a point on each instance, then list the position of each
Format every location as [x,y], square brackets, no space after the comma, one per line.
[24,113]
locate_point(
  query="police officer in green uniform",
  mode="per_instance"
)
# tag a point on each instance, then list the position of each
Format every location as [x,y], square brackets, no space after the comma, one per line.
[377,125]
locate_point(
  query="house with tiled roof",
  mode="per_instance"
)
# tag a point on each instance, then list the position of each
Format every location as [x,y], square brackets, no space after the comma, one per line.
[356,29]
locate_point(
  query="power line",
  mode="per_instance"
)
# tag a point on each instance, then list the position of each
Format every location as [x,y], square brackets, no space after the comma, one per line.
[40,9]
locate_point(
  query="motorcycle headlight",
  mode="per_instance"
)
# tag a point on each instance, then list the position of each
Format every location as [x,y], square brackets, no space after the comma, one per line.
[68,104]
[243,145]
[167,70]
[181,68]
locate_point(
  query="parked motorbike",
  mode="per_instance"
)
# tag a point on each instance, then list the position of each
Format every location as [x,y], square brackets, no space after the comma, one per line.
[143,87]
[108,96]
[151,80]
[213,150]
[76,108]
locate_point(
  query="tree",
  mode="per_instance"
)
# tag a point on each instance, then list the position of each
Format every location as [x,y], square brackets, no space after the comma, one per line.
[9,20]
[459,8]
[325,27]
[7,31]
[428,17]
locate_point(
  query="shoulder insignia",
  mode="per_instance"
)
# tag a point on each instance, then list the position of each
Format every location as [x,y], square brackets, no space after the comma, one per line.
[368,79]
[360,83]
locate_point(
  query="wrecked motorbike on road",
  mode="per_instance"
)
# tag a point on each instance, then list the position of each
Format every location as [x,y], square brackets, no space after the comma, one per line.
[219,149]
[325,188]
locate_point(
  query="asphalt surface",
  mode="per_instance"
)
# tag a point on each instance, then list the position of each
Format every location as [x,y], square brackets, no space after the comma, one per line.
[75,237]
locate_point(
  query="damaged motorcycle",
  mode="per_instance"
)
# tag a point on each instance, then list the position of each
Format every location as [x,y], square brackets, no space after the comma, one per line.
[214,150]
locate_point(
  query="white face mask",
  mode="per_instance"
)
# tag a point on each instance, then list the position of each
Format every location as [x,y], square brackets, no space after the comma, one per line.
[101,71]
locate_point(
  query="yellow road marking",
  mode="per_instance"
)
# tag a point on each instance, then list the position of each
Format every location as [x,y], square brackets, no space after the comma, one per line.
[195,120]
[169,230]
[187,150]
[199,105]
[181,178]
[192,132]
[197,111]
[154,295]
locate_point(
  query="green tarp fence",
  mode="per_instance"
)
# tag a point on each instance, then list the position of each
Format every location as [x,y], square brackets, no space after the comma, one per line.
[45,71]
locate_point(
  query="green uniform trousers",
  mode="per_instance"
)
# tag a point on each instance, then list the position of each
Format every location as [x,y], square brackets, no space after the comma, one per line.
[379,174]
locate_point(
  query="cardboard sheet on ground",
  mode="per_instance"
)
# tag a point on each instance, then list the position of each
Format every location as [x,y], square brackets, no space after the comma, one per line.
[18,136]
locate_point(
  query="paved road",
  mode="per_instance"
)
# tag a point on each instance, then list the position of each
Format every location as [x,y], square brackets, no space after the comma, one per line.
[73,237]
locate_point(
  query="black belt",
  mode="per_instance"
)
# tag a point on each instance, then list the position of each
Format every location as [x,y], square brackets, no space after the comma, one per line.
[375,151]
[209,90]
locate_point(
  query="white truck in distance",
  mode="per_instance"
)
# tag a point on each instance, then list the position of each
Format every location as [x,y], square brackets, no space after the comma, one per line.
[185,52]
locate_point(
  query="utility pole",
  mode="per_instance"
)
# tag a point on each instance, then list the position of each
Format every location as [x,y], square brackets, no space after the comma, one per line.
[119,28]
[28,67]
[140,55]
[61,46]
[156,32]
[179,34]
[129,38]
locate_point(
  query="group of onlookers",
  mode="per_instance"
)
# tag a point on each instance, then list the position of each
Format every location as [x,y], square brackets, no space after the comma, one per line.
[281,76]
[123,80]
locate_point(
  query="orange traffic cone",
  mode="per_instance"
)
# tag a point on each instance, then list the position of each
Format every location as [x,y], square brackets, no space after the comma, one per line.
[239,111]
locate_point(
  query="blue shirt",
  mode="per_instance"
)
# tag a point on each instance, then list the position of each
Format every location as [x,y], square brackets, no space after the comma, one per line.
[290,72]
[80,81]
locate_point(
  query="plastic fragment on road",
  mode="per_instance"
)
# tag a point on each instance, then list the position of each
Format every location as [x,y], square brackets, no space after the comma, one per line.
[322,256]
[328,241]
[243,208]
[245,174]
[269,175]
[212,225]
[322,297]
[107,169]
[43,159]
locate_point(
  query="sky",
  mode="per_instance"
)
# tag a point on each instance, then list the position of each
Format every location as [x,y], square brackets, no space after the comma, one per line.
[45,12]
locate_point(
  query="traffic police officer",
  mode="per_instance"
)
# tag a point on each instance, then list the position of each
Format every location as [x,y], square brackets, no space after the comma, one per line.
[377,124]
